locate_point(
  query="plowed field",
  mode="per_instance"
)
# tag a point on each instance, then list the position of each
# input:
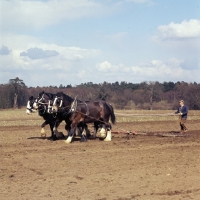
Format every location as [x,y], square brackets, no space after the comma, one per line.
[140,167]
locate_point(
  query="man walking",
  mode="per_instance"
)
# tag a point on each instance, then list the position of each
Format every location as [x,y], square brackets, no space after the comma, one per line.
[182,111]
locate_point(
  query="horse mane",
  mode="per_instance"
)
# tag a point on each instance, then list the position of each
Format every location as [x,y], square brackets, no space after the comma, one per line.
[65,96]
[50,95]
[41,93]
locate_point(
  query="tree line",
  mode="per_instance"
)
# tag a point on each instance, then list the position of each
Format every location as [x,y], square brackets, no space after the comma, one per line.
[122,95]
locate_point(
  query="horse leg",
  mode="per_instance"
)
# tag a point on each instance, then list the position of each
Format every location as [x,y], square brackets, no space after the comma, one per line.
[43,133]
[96,126]
[67,127]
[84,129]
[109,135]
[52,131]
[83,137]
[87,131]
[103,131]
[55,130]
[71,134]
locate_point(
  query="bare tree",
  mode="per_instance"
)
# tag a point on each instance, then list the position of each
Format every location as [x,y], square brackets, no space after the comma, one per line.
[17,84]
[153,92]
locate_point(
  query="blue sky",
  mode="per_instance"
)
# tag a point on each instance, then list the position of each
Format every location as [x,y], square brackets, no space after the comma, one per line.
[53,42]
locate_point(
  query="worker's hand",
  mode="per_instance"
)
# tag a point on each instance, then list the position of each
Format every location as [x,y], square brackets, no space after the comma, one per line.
[180,113]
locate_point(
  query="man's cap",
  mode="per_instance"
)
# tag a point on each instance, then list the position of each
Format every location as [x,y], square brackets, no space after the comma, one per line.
[181,101]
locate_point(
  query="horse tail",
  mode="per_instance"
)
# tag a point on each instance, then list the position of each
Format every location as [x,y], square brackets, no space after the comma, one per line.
[113,118]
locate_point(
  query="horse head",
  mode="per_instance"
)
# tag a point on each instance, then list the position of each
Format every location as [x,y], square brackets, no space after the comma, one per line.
[30,105]
[34,104]
[40,99]
[63,102]
[57,103]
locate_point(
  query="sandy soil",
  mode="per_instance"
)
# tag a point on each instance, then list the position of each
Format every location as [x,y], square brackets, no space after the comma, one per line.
[142,167]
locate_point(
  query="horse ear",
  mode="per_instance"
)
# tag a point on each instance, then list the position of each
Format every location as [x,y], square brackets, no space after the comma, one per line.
[30,98]
[40,94]
[51,96]
[59,94]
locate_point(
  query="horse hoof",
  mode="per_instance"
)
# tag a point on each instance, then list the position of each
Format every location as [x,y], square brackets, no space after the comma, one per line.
[60,135]
[68,140]
[103,135]
[84,140]
[107,140]
[92,137]
[43,135]
[108,137]
[54,138]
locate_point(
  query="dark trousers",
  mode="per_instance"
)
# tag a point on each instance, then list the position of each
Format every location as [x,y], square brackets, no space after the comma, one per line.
[182,122]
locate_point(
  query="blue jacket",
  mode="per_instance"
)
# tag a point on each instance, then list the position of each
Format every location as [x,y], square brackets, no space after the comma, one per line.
[183,110]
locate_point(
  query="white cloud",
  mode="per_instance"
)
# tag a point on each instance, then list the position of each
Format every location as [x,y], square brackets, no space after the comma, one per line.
[67,67]
[156,70]
[184,30]
[26,15]
[106,67]
[37,53]
[39,14]
[31,48]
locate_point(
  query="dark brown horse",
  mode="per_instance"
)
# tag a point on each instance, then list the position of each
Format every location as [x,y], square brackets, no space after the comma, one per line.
[42,105]
[77,112]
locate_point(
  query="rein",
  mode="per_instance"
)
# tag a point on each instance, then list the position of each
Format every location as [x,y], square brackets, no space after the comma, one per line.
[73,109]
[92,117]
[44,110]
[30,109]
[43,103]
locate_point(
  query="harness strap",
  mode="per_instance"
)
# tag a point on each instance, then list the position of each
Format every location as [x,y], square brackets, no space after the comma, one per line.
[61,102]
[87,109]
[42,98]
[73,106]
[30,109]
[42,109]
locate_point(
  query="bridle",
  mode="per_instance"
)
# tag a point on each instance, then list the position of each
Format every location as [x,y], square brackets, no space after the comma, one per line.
[29,106]
[72,107]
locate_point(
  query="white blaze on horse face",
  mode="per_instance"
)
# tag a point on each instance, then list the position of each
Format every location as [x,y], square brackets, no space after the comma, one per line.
[55,107]
[49,107]
[55,100]
[61,103]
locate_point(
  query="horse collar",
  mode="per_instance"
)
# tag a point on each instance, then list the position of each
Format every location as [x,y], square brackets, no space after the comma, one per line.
[73,106]
[87,109]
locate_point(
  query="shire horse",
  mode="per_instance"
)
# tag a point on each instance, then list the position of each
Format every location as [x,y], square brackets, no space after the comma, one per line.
[41,105]
[77,112]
